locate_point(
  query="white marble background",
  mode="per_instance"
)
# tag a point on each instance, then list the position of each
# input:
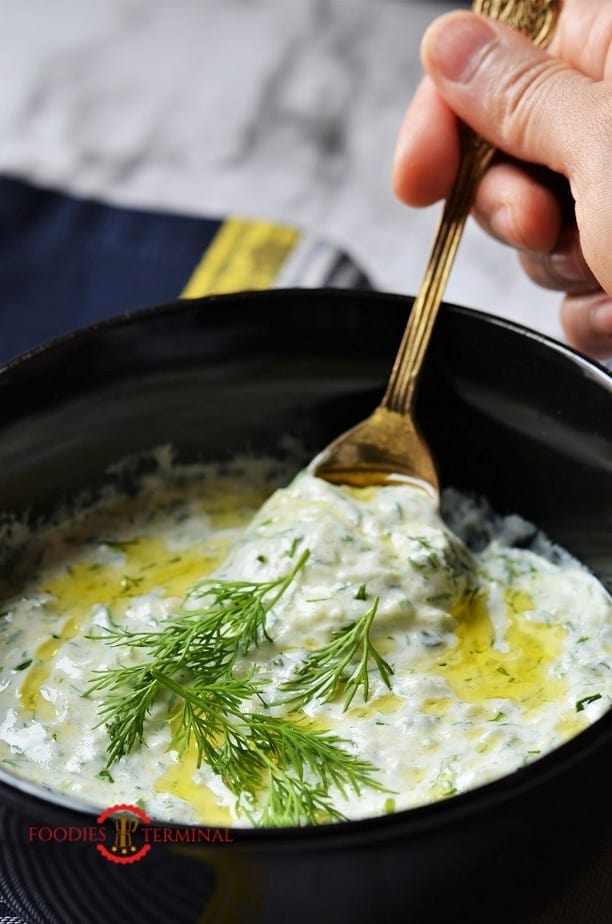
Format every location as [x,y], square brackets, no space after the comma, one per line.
[286,109]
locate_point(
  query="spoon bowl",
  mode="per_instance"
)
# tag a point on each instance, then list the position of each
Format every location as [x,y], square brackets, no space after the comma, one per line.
[386,448]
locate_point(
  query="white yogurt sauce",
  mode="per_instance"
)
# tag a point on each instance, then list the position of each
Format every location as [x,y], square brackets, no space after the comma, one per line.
[497,657]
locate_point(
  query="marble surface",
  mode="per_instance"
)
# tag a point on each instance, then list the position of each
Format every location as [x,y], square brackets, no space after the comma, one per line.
[286,109]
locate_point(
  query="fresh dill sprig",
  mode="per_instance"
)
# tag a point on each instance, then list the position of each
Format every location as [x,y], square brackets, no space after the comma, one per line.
[206,714]
[124,711]
[297,785]
[236,611]
[328,669]
[205,641]
[277,767]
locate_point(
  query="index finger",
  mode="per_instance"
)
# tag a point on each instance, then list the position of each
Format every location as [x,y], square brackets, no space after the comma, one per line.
[427,150]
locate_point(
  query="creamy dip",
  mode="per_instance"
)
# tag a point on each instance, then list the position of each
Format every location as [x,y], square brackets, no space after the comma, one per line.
[493,657]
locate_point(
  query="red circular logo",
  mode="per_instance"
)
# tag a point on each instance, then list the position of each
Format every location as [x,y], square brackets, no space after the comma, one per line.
[127,819]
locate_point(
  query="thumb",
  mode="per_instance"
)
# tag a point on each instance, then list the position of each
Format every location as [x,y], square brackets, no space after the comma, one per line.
[522,100]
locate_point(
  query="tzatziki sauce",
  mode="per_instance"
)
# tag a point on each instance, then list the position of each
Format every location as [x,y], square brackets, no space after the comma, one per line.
[495,650]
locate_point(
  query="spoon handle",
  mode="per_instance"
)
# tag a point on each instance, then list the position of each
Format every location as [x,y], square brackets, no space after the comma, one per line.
[476,155]
[537,19]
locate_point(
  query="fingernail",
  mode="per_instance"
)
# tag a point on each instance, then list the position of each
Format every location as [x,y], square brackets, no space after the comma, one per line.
[502,225]
[454,44]
[570,268]
[601,320]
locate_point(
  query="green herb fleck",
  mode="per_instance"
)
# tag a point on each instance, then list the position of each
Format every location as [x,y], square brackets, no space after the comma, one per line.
[129,583]
[105,775]
[23,666]
[118,545]
[433,557]
[293,547]
[582,703]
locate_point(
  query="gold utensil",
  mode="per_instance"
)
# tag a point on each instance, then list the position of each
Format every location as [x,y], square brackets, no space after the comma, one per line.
[388,447]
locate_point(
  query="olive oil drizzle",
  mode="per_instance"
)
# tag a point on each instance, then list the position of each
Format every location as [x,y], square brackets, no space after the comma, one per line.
[477,671]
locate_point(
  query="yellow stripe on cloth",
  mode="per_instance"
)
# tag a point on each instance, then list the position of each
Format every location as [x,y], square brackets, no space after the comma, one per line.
[242,255]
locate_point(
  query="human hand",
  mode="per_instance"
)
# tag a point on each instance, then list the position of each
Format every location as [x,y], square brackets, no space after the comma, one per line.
[549,194]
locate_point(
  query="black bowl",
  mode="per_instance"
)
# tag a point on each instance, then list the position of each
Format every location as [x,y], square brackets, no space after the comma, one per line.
[508,414]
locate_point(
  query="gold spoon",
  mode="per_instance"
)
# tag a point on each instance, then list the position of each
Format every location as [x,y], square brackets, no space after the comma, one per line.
[388,447]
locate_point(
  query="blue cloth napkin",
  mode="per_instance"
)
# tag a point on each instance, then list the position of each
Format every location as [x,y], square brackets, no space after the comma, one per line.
[66,262]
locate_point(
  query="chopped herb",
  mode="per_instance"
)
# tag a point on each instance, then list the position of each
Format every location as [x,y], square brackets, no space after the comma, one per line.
[429,639]
[23,666]
[117,545]
[502,670]
[262,559]
[500,715]
[128,582]
[105,775]
[583,638]
[389,806]
[433,558]
[361,593]
[582,703]
[293,547]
